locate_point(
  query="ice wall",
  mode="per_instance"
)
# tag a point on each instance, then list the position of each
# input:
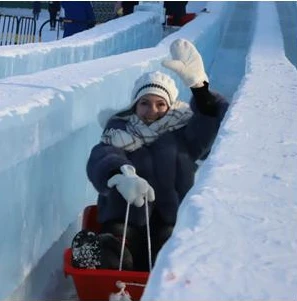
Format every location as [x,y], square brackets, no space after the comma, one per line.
[141,30]
[48,124]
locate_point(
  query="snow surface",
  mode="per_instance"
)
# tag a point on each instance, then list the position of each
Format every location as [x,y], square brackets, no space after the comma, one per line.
[235,237]
[103,40]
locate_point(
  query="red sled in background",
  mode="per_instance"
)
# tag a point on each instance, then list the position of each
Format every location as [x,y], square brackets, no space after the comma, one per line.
[183,20]
[98,285]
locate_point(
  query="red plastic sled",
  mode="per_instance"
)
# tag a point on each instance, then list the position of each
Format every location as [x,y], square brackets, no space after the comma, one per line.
[184,19]
[97,285]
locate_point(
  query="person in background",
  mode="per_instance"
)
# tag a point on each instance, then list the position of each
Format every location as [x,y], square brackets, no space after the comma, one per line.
[128,7]
[79,16]
[147,155]
[123,8]
[176,9]
[36,9]
[53,9]
[118,10]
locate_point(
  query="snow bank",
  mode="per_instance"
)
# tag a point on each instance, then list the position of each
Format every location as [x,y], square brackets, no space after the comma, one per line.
[142,30]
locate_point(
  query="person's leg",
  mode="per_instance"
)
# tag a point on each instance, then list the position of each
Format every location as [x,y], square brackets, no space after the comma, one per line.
[160,232]
[54,19]
[133,239]
[51,20]
[161,237]
[141,261]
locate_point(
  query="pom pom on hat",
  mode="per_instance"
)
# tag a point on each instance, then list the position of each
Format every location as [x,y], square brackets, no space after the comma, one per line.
[157,83]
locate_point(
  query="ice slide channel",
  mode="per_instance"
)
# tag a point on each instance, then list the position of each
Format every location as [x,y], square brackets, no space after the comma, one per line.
[129,33]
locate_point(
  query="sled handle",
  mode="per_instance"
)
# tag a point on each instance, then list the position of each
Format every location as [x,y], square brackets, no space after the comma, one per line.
[147,231]
[124,236]
[149,247]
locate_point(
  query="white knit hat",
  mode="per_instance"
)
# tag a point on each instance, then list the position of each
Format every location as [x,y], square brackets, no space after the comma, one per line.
[155,83]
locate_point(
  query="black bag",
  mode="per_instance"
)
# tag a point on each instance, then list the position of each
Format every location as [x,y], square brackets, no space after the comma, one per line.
[98,251]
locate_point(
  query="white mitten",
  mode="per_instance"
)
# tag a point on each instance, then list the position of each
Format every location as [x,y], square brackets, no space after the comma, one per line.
[132,187]
[187,63]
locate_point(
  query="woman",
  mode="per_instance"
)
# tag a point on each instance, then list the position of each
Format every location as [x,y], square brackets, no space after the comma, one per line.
[148,152]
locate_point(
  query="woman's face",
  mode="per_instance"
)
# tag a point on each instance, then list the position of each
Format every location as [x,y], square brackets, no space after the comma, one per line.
[151,107]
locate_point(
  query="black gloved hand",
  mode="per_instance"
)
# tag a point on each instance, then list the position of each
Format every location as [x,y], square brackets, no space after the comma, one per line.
[205,100]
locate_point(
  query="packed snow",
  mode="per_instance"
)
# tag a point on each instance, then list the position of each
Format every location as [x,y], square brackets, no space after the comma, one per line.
[235,237]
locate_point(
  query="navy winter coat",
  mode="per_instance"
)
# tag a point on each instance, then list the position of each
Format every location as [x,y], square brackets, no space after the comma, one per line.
[168,164]
[81,14]
[54,7]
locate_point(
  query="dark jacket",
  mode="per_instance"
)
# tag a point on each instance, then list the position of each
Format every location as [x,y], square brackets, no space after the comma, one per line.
[168,164]
[36,7]
[128,7]
[54,6]
[79,16]
[175,7]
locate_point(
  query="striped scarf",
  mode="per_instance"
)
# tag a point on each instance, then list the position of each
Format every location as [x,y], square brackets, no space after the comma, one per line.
[137,133]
